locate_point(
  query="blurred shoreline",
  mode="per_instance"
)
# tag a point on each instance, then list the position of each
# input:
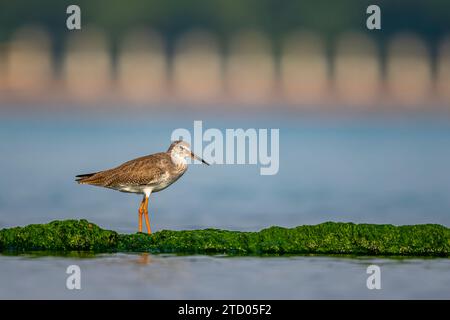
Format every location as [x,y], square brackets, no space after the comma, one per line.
[359,76]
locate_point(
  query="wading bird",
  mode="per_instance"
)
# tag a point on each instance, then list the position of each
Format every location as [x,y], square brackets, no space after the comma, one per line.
[145,175]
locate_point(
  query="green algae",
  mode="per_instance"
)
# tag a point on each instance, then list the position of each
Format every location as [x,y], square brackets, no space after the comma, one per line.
[326,238]
[67,235]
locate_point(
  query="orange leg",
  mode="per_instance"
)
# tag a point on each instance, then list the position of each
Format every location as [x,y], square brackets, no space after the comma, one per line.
[147,221]
[141,211]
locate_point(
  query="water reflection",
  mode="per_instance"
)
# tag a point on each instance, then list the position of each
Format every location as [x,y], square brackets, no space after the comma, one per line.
[146,276]
[144,259]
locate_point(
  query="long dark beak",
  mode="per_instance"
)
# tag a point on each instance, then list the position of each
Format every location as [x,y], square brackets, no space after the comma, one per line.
[193,156]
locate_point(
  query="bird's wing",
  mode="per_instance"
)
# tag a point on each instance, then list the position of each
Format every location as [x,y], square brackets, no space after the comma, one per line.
[147,170]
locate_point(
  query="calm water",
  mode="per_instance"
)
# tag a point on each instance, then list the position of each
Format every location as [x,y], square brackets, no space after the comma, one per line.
[359,170]
[123,276]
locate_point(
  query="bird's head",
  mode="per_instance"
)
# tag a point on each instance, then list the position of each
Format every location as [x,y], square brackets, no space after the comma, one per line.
[179,150]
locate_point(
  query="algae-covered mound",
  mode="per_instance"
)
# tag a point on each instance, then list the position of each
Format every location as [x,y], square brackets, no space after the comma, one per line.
[67,235]
[325,238]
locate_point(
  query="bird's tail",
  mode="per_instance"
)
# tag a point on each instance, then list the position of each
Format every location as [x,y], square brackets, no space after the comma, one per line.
[82,177]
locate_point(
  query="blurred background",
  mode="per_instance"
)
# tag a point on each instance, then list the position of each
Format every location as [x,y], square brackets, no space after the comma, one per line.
[363,114]
[311,56]
[364,136]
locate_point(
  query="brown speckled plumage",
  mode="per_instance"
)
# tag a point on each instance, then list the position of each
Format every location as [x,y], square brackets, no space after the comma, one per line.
[156,171]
